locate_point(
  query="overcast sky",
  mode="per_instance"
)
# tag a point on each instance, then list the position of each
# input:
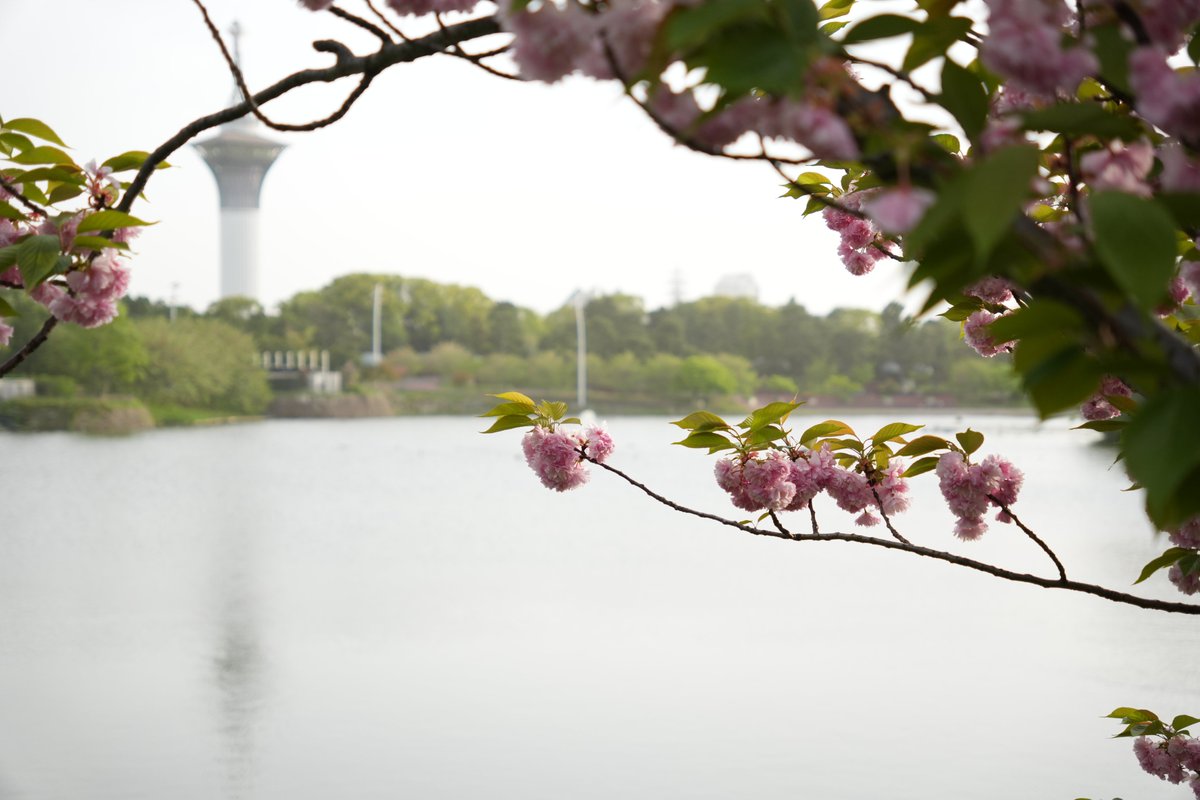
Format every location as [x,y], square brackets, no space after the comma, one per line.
[440,171]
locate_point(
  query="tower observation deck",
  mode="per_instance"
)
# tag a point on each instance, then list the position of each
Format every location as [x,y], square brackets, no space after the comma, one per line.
[239,157]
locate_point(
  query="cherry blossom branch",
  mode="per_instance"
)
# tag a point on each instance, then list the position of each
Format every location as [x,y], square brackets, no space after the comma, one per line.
[939,555]
[778,524]
[11,188]
[1062,572]
[346,66]
[33,344]
[812,512]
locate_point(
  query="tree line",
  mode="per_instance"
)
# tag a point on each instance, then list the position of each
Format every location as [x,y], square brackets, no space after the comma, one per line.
[711,347]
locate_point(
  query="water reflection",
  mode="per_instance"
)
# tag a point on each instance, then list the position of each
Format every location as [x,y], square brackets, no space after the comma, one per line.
[238,665]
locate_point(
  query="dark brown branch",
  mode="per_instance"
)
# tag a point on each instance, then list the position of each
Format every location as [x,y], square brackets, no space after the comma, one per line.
[25,201]
[383,18]
[778,524]
[1062,572]
[33,344]
[340,51]
[11,285]
[376,62]
[812,512]
[366,25]
[939,555]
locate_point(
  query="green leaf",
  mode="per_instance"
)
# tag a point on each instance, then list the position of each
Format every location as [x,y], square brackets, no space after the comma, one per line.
[702,421]
[8,212]
[1131,715]
[924,444]
[766,434]
[1165,560]
[947,142]
[43,154]
[572,421]
[37,257]
[110,220]
[705,440]
[996,191]
[130,160]
[830,427]
[1135,241]
[1057,374]
[883,26]
[504,409]
[1113,48]
[835,8]
[515,397]
[1081,119]
[1039,317]
[970,440]
[1162,449]
[933,39]
[8,256]
[6,310]
[687,27]
[96,243]
[508,422]
[921,466]
[1183,721]
[1102,425]
[894,431]
[845,444]
[964,96]
[34,127]
[768,414]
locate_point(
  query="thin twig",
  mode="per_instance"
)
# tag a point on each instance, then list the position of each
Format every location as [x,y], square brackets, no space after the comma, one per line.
[939,555]
[895,73]
[33,344]
[383,18]
[341,51]
[886,519]
[778,524]
[813,513]
[1062,572]
[366,25]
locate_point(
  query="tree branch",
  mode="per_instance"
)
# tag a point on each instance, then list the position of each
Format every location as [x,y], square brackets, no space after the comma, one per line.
[940,555]
[346,66]
[1062,572]
[33,344]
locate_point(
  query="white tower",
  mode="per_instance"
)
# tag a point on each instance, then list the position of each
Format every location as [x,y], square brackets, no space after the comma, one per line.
[239,157]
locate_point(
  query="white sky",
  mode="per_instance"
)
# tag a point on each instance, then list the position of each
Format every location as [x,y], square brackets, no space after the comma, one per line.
[440,171]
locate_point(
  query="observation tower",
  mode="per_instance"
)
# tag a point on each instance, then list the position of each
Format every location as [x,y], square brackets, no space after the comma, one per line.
[239,157]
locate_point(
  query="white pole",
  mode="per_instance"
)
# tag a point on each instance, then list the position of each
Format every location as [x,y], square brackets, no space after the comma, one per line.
[581,353]
[377,326]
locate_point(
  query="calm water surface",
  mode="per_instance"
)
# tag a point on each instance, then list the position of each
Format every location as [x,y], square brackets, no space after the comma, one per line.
[395,608]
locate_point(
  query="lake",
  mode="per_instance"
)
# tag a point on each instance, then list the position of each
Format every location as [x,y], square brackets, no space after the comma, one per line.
[396,608]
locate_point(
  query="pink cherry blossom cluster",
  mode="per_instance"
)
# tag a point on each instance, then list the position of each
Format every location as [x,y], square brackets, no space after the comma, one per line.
[814,126]
[1120,167]
[899,210]
[969,490]
[1175,760]
[1024,45]
[90,299]
[1180,173]
[557,458]
[1186,535]
[1169,99]
[858,249]
[772,480]
[993,290]
[979,338]
[1098,406]
[406,7]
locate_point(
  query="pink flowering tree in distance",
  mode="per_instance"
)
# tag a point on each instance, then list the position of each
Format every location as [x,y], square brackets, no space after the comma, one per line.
[1035,163]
